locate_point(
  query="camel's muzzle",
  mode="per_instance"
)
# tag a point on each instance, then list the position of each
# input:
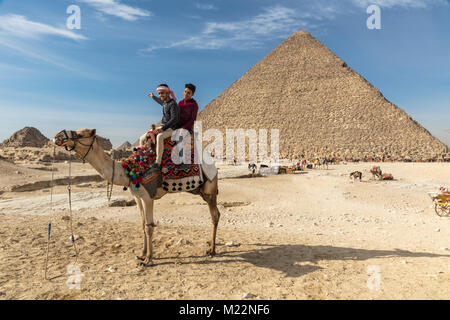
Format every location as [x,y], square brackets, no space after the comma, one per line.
[63,137]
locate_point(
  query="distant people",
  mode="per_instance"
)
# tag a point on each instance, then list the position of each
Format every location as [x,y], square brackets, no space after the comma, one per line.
[188,108]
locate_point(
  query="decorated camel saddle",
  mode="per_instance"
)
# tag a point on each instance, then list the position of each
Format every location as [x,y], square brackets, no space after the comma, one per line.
[173,177]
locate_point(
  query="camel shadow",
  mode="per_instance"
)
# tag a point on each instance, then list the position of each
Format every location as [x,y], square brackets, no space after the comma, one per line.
[298,260]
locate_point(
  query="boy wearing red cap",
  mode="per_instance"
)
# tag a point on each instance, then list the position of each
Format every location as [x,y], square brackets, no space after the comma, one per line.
[169,122]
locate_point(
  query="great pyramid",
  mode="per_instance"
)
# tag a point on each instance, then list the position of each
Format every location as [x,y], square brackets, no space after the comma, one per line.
[320,106]
[26,137]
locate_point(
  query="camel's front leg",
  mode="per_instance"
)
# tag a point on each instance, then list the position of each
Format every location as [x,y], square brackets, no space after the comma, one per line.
[149,255]
[215,216]
[209,193]
[141,211]
[144,250]
[149,226]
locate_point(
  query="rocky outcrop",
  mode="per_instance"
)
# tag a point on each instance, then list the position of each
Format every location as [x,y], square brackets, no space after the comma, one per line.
[26,137]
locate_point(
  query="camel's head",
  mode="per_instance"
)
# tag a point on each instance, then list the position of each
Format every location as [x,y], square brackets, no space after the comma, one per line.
[69,139]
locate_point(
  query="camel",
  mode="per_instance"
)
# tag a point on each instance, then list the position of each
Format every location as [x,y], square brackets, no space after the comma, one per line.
[84,143]
[355,175]
[376,172]
[252,167]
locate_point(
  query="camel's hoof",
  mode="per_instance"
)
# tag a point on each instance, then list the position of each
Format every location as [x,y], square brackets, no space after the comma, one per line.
[141,258]
[145,263]
[210,253]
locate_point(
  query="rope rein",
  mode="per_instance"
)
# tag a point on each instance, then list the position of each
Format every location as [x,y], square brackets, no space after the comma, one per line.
[72,237]
[49,228]
[108,190]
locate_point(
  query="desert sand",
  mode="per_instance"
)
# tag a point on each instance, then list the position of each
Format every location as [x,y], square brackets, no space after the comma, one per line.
[310,235]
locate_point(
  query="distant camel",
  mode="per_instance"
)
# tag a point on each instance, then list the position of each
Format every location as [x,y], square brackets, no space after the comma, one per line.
[85,143]
[355,175]
[376,173]
[252,167]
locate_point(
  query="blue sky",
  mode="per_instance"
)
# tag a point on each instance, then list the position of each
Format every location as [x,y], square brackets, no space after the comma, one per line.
[52,77]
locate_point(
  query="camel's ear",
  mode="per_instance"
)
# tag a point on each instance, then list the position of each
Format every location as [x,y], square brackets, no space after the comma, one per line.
[93,131]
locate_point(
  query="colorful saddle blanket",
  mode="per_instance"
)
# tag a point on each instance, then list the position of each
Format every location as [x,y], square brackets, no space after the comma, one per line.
[175,178]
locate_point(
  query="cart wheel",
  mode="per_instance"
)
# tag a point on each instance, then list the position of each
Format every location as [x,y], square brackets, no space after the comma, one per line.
[442,210]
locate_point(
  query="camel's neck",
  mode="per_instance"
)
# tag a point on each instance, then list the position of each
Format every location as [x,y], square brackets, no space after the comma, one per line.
[104,165]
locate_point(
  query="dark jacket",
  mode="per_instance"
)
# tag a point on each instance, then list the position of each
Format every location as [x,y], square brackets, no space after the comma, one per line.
[171,114]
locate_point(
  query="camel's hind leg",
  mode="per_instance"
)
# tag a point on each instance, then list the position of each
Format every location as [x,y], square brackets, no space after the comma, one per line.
[209,193]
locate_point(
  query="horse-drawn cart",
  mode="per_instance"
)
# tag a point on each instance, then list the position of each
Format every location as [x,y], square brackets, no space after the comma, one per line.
[441,204]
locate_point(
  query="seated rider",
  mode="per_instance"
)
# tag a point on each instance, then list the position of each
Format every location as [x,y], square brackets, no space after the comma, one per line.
[169,123]
[188,108]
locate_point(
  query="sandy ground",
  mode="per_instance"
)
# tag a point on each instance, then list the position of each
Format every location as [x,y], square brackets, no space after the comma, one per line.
[313,235]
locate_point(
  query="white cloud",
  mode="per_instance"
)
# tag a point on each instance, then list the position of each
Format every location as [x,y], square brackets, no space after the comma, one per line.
[279,22]
[204,6]
[115,8]
[399,3]
[273,22]
[22,36]
[20,26]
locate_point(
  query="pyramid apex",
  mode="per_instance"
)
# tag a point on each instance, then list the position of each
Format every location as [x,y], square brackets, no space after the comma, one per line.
[301,33]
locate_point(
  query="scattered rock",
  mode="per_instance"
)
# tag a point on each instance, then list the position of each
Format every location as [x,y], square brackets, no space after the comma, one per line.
[232,244]
[118,203]
[182,242]
[112,269]
[234,204]
[122,203]
[437,229]
[76,237]
[248,295]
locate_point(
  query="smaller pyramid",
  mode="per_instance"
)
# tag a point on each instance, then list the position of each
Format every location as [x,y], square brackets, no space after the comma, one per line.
[26,137]
[136,143]
[104,143]
[124,146]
